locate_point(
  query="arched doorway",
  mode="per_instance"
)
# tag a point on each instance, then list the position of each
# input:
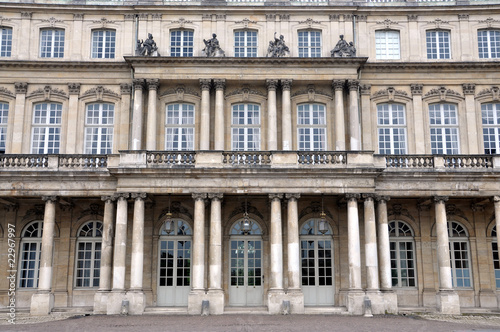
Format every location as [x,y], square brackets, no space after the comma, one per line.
[316,259]
[245,265]
[174,264]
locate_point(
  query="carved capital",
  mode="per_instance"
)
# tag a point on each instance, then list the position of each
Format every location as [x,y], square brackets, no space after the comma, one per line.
[52,199]
[26,15]
[412,17]
[416,89]
[469,88]
[156,16]
[197,196]
[78,17]
[108,199]
[354,197]
[205,84]
[153,83]
[216,196]
[21,87]
[271,84]
[220,84]
[125,88]
[440,199]
[366,89]
[292,196]
[138,196]
[74,88]
[129,17]
[121,196]
[368,197]
[138,83]
[273,197]
[338,85]
[334,17]
[286,84]
[352,85]
[496,199]
[463,17]
[382,199]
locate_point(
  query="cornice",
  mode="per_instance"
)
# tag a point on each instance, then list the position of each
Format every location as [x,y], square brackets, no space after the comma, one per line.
[486,65]
[7,64]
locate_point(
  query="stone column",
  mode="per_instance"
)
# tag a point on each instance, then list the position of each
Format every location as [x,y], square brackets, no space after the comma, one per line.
[294,292]
[366,118]
[42,301]
[447,299]
[496,200]
[338,87]
[117,295]
[153,85]
[72,119]
[136,295]
[371,258]
[216,294]
[219,129]
[101,296]
[16,146]
[205,114]
[77,37]
[23,51]
[123,119]
[418,114]
[469,90]
[276,293]
[286,116]
[272,117]
[354,115]
[355,296]
[384,250]
[137,115]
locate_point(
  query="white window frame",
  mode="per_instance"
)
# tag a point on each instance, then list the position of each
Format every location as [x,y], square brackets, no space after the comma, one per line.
[490,116]
[180,128]
[247,125]
[488,43]
[103,44]
[32,236]
[308,130]
[457,235]
[387,45]
[52,43]
[444,129]
[4,118]
[391,121]
[5,41]
[308,46]
[46,130]
[99,127]
[437,48]
[245,43]
[88,259]
[401,237]
[184,46]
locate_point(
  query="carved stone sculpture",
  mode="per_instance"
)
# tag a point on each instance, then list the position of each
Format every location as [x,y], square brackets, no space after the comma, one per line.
[277,48]
[212,47]
[343,49]
[147,47]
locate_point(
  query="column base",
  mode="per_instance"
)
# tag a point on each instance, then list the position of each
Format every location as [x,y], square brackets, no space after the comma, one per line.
[448,302]
[194,301]
[296,298]
[41,304]
[101,302]
[383,302]
[488,299]
[217,302]
[390,302]
[355,302]
[275,299]
[137,302]
[114,305]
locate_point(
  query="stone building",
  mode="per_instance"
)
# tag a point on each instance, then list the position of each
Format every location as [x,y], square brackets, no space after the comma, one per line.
[250,153]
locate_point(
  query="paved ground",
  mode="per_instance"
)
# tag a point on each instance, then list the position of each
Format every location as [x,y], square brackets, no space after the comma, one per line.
[243,323]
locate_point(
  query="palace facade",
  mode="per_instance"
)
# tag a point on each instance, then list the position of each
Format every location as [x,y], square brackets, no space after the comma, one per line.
[279,156]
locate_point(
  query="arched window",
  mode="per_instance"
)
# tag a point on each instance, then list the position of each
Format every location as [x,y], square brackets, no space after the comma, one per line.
[52,43]
[459,255]
[402,249]
[387,44]
[88,255]
[391,120]
[309,43]
[5,41]
[4,118]
[245,43]
[103,44]
[99,121]
[438,44]
[181,43]
[490,114]
[179,127]
[31,246]
[311,127]
[245,127]
[496,260]
[488,44]
[444,129]
[46,128]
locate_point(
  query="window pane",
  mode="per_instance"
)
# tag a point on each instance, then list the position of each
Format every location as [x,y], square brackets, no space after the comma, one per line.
[103,44]
[438,44]
[179,127]
[245,43]
[387,44]
[309,44]
[444,129]
[5,42]
[311,127]
[181,43]
[52,43]
[392,128]
[45,138]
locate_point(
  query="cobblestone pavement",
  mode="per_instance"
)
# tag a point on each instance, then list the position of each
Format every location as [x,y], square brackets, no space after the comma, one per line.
[243,323]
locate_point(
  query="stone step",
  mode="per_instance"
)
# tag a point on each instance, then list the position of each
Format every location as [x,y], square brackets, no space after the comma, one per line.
[246,311]
[73,310]
[166,311]
[325,311]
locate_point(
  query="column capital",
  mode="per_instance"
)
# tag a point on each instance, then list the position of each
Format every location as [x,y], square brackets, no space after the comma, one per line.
[469,88]
[216,196]
[286,84]
[125,88]
[121,196]
[205,84]
[292,196]
[153,83]
[366,89]
[416,88]
[108,199]
[440,199]
[496,199]
[271,84]
[338,85]
[74,88]
[273,197]
[138,196]
[353,84]
[52,199]
[21,87]
[220,84]
[138,83]
[382,199]
[352,196]
[198,196]
[368,197]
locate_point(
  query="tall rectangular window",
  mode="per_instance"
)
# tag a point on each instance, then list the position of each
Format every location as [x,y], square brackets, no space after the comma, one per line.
[391,122]
[181,43]
[444,129]
[309,44]
[245,43]
[99,121]
[488,44]
[46,128]
[438,44]
[490,114]
[4,117]
[387,44]
[103,44]
[52,43]
[311,127]
[179,127]
[245,129]
[5,42]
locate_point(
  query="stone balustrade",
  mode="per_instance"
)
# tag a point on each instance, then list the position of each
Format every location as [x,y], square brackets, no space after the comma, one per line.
[251,158]
[61,162]
[469,162]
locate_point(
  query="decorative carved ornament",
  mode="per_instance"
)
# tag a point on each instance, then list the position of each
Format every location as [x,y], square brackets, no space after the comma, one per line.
[78,17]
[309,22]
[347,17]
[125,88]
[489,21]
[6,92]
[315,209]
[452,210]
[494,93]
[245,91]
[35,213]
[74,88]
[3,19]
[463,17]
[182,22]
[334,17]
[397,210]
[177,210]
[416,88]
[387,23]
[412,17]
[103,21]
[26,15]
[365,89]
[21,87]
[438,22]
[143,16]
[246,22]
[52,21]
[180,91]
[156,16]
[249,208]
[129,17]
[47,92]
[390,93]
[100,91]
[442,93]
[311,92]
[469,88]
[362,18]
[220,17]
[94,210]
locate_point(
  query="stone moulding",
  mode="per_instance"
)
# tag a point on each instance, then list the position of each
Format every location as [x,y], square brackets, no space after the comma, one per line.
[64,65]
[99,91]
[6,92]
[47,92]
